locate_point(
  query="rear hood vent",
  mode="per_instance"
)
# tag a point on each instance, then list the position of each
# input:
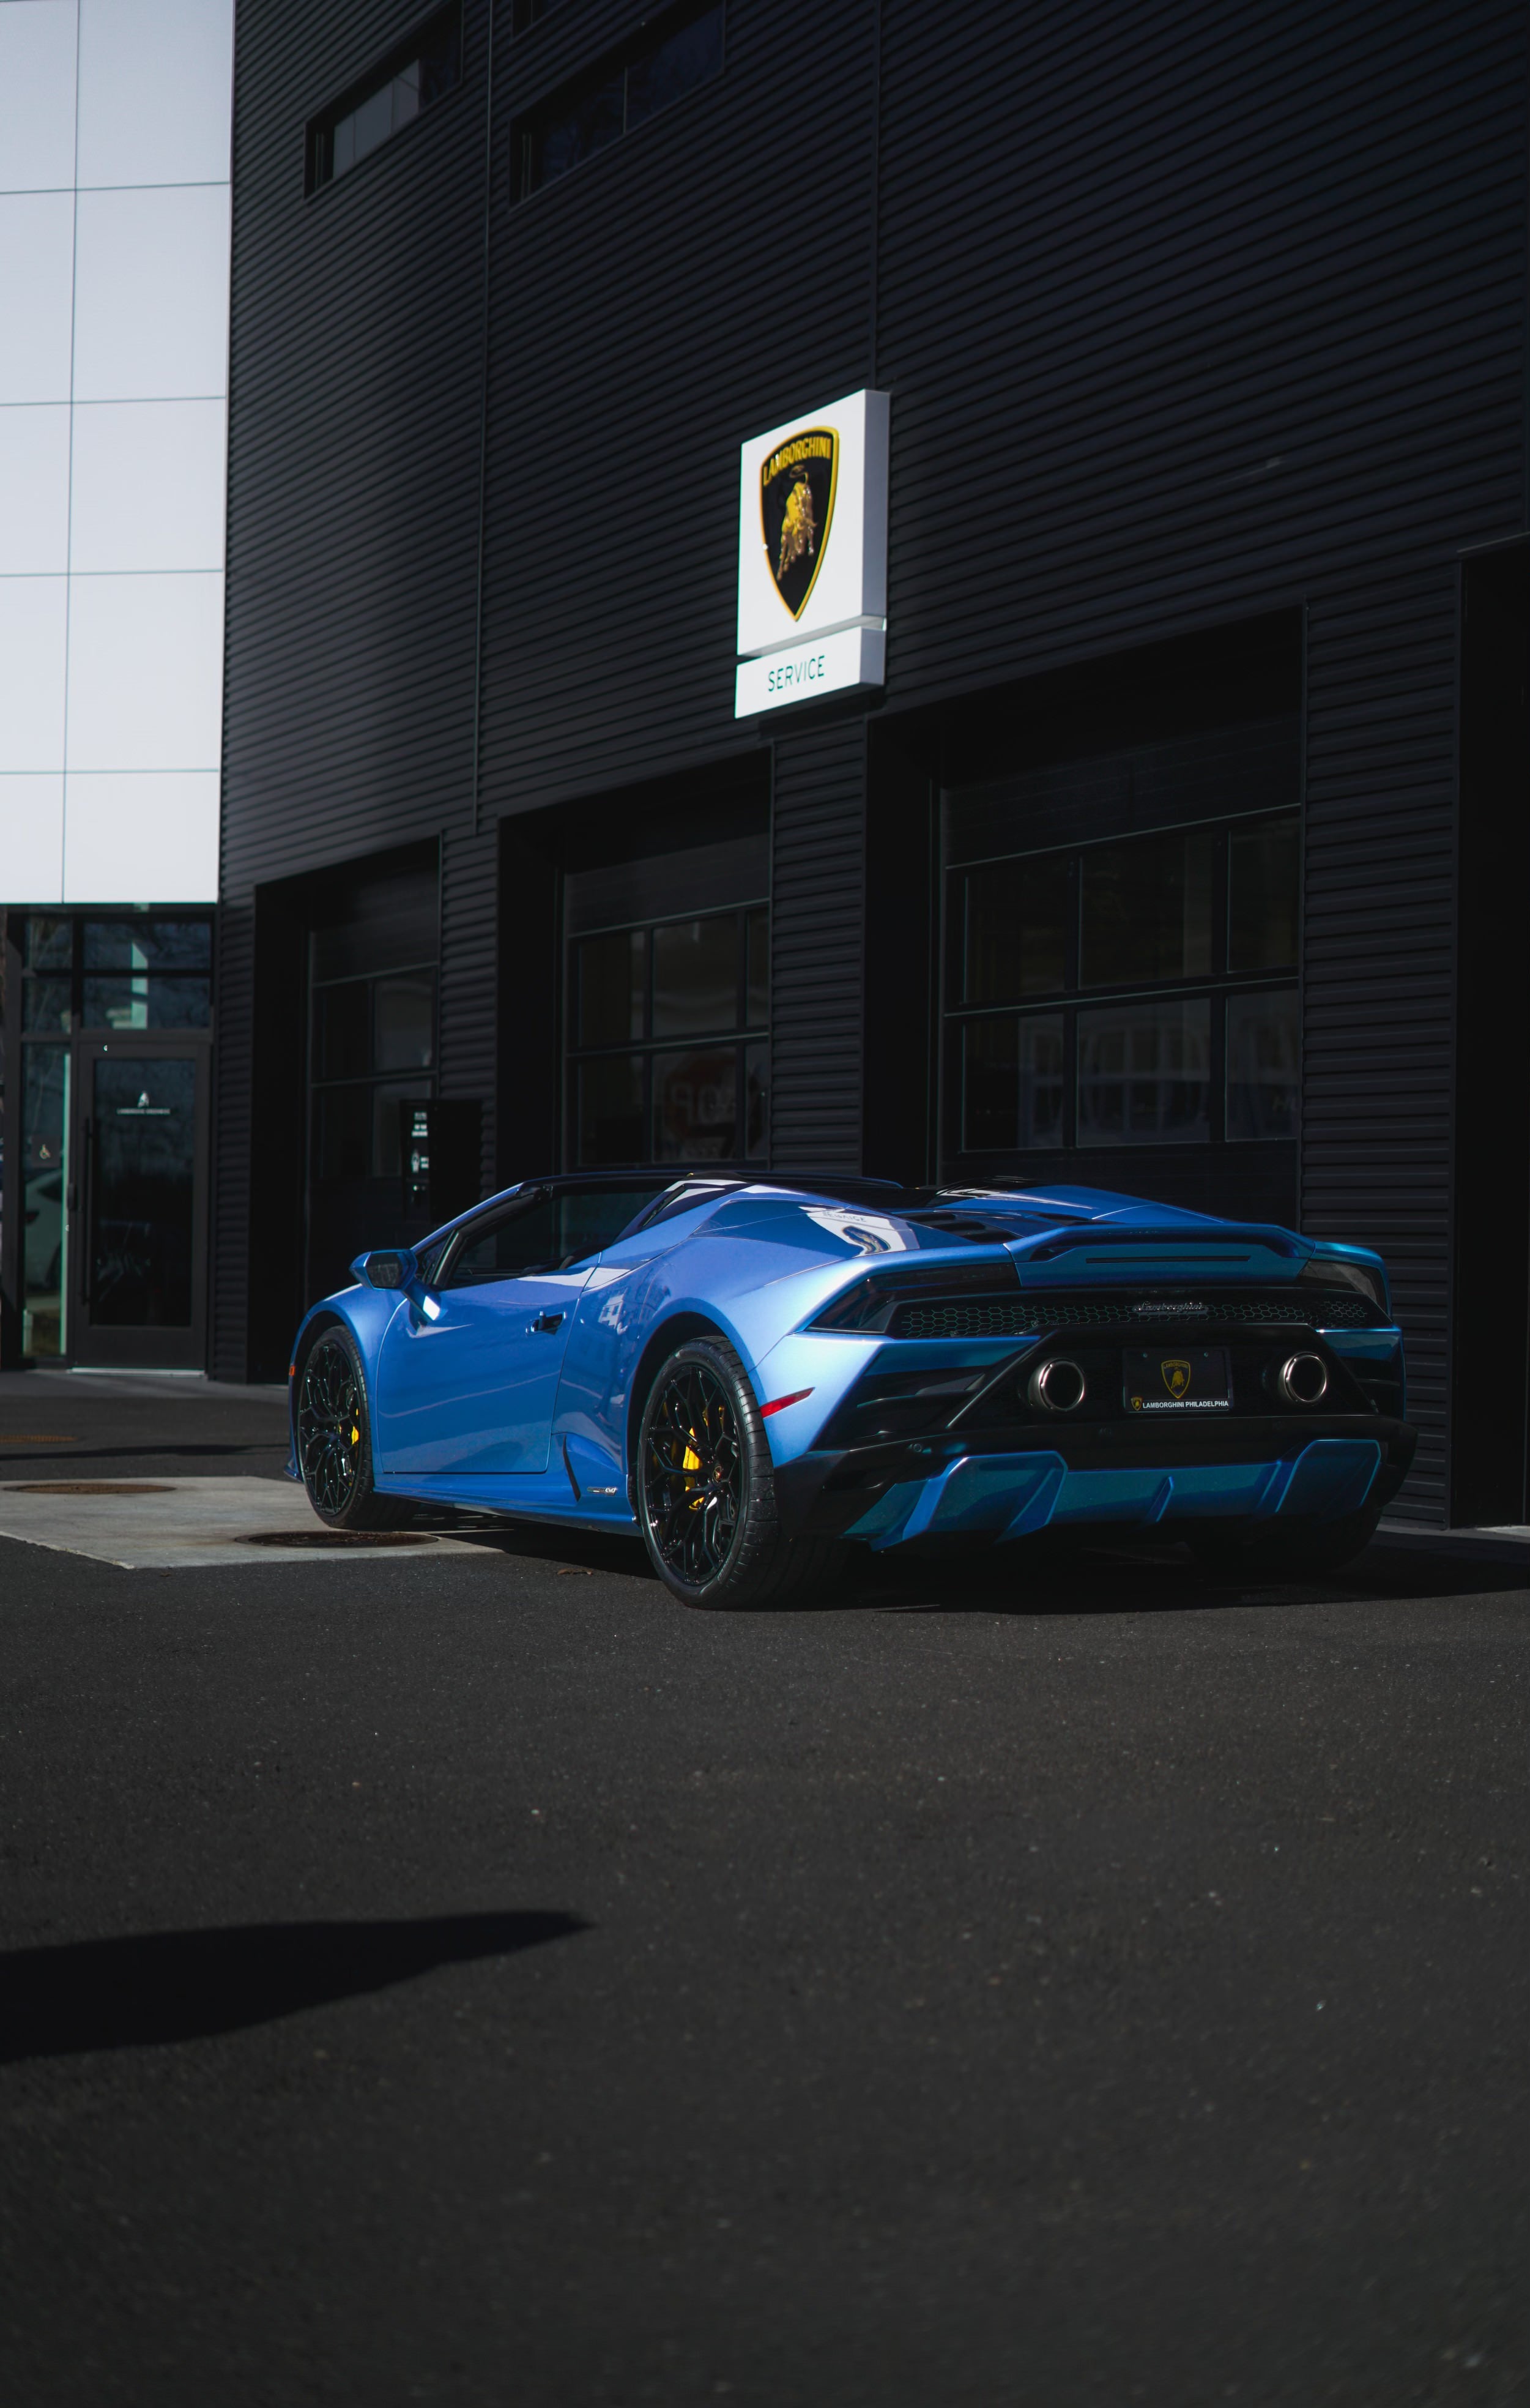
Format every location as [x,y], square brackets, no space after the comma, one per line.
[1084,1257]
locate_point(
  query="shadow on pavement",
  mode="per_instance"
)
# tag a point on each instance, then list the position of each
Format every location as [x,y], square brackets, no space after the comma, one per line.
[160,1986]
[590,1551]
[1063,1577]
[1163,1578]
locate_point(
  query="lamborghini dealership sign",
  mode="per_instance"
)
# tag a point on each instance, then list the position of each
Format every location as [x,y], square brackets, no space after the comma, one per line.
[812,556]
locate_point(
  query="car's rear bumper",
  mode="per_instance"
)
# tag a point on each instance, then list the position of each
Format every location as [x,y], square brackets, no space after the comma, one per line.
[1009,1484]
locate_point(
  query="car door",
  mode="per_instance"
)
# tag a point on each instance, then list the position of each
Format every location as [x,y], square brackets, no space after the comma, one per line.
[467,1371]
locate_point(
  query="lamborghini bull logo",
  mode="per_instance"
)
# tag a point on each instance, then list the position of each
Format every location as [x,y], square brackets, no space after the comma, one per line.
[796,510]
[799,528]
[1176,1376]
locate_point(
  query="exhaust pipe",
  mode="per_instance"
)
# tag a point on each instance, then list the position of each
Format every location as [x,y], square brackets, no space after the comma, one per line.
[1056,1386]
[1302,1379]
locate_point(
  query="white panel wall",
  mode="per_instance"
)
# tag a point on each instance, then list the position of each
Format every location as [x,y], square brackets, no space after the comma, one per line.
[114,218]
[36,286]
[151,293]
[147,486]
[37,96]
[34,488]
[154,82]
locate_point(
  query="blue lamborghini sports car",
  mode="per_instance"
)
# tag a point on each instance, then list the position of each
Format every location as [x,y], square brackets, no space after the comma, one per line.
[755,1374]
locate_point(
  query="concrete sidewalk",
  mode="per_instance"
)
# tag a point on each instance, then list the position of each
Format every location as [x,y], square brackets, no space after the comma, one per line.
[149,1524]
[1509,1545]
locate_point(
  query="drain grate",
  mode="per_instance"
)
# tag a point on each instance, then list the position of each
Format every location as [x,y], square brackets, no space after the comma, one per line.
[89,1488]
[335,1539]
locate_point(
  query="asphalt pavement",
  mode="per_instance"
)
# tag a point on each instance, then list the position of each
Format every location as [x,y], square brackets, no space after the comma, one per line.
[467,1977]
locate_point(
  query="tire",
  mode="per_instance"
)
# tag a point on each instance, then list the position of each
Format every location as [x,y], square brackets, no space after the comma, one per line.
[1237,1551]
[334,1439]
[706,1489]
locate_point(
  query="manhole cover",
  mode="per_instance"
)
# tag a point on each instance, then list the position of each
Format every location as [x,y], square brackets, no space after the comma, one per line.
[335,1539]
[91,1488]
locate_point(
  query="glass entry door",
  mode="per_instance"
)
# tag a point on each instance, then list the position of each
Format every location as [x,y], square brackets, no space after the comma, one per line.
[140,1170]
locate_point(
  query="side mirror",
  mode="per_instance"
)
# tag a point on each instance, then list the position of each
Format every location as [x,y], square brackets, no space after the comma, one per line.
[395,1267]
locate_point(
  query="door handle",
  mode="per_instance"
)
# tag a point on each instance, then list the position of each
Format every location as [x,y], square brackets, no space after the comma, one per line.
[548,1321]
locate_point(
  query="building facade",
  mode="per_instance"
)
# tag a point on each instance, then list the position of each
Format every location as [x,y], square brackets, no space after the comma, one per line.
[1176,849]
[114,247]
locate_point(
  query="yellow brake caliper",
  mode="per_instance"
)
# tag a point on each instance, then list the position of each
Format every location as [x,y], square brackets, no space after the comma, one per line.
[691,1461]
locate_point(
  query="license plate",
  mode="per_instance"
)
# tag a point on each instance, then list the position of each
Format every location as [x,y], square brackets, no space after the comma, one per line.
[1196,1380]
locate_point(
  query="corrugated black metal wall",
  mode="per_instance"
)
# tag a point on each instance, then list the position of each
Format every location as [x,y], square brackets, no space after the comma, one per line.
[1188,314]
[356,412]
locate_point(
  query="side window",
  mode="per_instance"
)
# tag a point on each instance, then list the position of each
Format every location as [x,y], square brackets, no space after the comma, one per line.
[547,1232]
[522,1238]
[430,1263]
[595,1218]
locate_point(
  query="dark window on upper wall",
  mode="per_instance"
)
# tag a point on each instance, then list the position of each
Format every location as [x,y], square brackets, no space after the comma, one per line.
[668,1058]
[128,972]
[372,1048]
[668,60]
[398,89]
[1140,991]
[526,14]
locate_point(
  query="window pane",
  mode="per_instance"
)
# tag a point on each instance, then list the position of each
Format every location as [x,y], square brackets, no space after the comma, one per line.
[1041,1081]
[116,1003]
[695,977]
[44,1170]
[45,1006]
[1144,1074]
[1016,930]
[407,94]
[388,1129]
[337,143]
[610,1111]
[1147,909]
[757,1102]
[990,1085]
[526,1240]
[592,1219]
[372,122]
[148,945]
[610,988]
[140,1209]
[342,1034]
[675,66]
[695,1105]
[404,1022]
[1263,1065]
[759,969]
[49,945]
[1264,872]
[586,126]
[148,1003]
[1013,1083]
[342,1133]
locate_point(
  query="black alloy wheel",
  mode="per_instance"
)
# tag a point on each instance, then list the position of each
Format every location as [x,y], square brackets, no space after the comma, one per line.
[692,1475]
[707,1487]
[334,1438]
